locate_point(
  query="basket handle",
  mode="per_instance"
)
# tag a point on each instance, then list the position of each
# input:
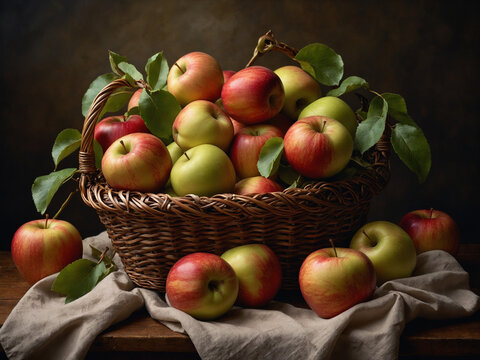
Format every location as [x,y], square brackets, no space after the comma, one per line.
[86,156]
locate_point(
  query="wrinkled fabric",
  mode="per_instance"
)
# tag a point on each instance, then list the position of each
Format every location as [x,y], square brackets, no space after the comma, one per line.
[41,326]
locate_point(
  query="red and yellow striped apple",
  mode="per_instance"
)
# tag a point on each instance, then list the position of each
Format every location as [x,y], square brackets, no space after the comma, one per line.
[256,185]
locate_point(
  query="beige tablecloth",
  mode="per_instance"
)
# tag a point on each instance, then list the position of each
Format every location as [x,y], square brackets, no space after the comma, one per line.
[41,326]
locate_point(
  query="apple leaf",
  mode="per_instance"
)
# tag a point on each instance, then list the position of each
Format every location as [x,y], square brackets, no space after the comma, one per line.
[323,63]
[97,149]
[157,71]
[270,156]
[66,143]
[116,101]
[93,89]
[116,59]
[413,149]
[159,109]
[397,108]
[350,84]
[130,69]
[288,175]
[370,130]
[44,187]
[133,111]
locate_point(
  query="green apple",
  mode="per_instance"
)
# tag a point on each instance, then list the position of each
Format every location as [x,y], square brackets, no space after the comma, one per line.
[300,89]
[389,247]
[203,170]
[175,151]
[334,108]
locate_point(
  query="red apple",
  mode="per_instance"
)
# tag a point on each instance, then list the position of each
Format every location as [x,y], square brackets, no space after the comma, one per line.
[256,185]
[202,285]
[138,162]
[259,273]
[133,102]
[227,74]
[113,127]
[431,230]
[253,95]
[333,280]
[246,147]
[236,126]
[202,122]
[318,147]
[195,76]
[44,247]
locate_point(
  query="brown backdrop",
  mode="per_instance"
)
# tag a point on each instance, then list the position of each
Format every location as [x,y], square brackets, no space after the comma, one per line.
[425,50]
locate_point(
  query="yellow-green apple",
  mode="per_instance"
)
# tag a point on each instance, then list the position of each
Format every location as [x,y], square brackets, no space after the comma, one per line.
[431,230]
[256,185]
[137,162]
[300,88]
[203,170]
[175,152]
[332,107]
[133,102]
[389,247]
[318,147]
[113,127]
[202,285]
[259,273]
[202,122]
[195,76]
[253,95]
[227,74]
[333,280]
[246,147]
[44,247]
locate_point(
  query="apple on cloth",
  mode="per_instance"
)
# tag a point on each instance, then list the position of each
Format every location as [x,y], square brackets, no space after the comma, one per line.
[438,289]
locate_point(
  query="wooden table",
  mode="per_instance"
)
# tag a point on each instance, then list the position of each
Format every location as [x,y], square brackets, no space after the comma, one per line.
[141,337]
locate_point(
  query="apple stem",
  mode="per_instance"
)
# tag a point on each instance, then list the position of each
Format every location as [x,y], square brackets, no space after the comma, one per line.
[178,66]
[124,147]
[46,221]
[431,213]
[323,127]
[102,255]
[267,43]
[333,246]
[65,203]
[365,233]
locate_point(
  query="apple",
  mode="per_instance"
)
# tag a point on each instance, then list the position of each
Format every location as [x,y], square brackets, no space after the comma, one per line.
[259,273]
[236,126]
[431,230]
[202,122]
[256,185]
[195,76]
[301,89]
[175,151]
[246,147]
[202,285]
[138,162]
[318,147]
[333,280]
[335,108]
[227,74]
[389,247]
[133,102]
[113,127]
[44,247]
[253,95]
[204,170]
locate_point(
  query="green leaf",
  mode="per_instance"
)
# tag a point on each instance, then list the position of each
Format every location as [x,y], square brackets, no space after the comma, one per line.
[323,63]
[78,278]
[270,156]
[413,149]
[157,71]
[116,59]
[131,70]
[44,187]
[287,174]
[116,101]
[93,89]
[371,129]
[66,143]
[350,84]
[97,149]
[133,111]
[159,109]
[397,108]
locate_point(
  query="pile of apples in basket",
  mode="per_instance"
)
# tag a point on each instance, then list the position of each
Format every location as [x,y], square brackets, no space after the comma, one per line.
[195,128]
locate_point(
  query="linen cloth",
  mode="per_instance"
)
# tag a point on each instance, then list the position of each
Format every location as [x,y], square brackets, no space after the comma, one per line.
[41,326]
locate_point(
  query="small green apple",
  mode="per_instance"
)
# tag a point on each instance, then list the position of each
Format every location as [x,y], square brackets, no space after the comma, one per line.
[334,108]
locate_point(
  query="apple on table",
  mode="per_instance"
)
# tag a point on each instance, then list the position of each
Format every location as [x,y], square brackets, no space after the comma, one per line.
[431,230]
[45,246]
[389,247]
[202,285]
[318,147]
[137,162]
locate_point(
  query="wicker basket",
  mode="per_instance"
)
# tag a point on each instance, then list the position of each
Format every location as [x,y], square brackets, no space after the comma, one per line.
[151,232]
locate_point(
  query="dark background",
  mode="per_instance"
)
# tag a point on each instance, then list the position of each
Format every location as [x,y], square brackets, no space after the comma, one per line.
[426,51]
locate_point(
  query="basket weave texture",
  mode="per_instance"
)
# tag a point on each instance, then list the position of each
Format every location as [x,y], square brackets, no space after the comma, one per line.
[150,232]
